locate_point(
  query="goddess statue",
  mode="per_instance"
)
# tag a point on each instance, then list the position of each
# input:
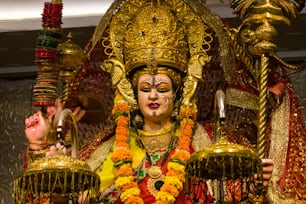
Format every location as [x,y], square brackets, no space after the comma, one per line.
[165,60]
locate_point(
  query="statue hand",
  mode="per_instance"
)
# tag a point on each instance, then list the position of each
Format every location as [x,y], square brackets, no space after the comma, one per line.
[36,128]
[267,170]
[38,124]
[55,148]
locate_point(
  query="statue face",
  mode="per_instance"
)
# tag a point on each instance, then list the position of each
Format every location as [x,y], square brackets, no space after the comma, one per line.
[155,97]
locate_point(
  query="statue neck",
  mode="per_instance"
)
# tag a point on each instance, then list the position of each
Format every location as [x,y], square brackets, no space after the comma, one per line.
[154,142]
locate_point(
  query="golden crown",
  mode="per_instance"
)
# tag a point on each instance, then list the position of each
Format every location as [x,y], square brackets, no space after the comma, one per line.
[157,37]
[146,33]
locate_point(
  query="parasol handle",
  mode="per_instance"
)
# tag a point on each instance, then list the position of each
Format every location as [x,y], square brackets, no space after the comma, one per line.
[219,111]
[67,114]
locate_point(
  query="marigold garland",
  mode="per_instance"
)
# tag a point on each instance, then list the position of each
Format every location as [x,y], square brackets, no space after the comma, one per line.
[186,129]
[175,176]
[122,121]
[121,134]
[125,180]
[122,144]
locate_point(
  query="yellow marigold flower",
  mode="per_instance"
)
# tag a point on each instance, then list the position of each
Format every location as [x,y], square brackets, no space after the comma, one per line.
[175,181]
[176,166]
[123,180]
[129,193]
[165,196]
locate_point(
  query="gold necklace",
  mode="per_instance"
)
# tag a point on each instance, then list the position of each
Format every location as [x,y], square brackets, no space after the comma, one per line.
[157,148]
[154,143]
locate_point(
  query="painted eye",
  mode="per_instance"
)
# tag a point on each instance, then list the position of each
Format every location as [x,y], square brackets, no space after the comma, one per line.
[162,89]
[145,89]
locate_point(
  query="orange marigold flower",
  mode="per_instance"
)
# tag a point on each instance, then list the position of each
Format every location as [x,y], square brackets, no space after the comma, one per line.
[125,170]
[129,185]
[120,107]
[181,155]
[122,120]
[184,146]
[170,189]
[121,134]
[121,154]
[185,139]
[122,144]
[134,200]
[186,128]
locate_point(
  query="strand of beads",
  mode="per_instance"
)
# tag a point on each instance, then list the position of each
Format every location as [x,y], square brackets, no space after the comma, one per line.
[45,90]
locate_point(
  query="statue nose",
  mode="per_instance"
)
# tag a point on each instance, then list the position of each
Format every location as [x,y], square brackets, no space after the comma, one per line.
[153,95]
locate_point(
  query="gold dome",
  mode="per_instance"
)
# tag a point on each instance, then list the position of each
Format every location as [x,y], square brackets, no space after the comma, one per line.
[71,56]
[223,160]
[59,174]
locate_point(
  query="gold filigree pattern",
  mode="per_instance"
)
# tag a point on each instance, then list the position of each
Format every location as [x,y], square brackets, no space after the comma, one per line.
[154,143]
[241,99]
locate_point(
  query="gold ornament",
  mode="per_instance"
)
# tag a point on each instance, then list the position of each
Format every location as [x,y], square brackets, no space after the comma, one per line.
[155,172]
[71,58]
[160,37]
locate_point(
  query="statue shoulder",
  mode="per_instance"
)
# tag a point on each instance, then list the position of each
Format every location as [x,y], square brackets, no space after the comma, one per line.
[201,137]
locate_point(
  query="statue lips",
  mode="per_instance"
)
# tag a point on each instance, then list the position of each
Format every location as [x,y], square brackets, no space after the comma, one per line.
[153,106]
